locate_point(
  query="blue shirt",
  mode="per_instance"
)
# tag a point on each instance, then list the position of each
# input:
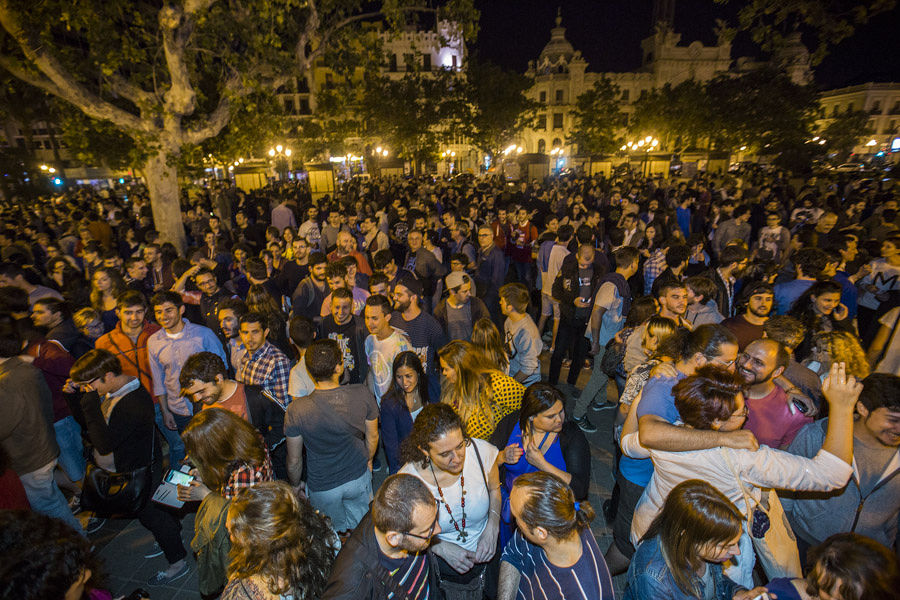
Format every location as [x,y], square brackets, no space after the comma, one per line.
[656,400]
[587,579]
[787,293]
[168,354]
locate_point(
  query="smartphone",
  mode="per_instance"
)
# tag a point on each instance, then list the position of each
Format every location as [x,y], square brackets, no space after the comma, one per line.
[179,477]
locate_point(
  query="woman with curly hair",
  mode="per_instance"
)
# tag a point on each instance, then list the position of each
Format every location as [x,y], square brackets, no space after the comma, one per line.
[838,347]
[261,301]
[280,546]
[489,344]
[106,285]
[229,455]
[480,393]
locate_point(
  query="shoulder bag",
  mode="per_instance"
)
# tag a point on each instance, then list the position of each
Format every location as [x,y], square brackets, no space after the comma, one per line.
[771,534]
[111,493]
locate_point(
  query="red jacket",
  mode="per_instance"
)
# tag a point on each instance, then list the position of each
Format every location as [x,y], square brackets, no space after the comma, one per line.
[54,363]
[133,357]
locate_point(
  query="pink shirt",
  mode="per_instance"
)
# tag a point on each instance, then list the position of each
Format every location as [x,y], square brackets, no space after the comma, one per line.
[772,421]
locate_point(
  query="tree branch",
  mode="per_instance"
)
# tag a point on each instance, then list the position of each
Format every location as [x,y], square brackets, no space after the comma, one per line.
[129,91]
[220,116]
[59,81]
[176,27]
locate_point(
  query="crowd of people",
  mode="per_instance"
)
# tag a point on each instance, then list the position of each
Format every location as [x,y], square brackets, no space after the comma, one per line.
[741,327]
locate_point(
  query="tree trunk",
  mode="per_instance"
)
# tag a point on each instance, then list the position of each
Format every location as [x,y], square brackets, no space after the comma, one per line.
[161,174]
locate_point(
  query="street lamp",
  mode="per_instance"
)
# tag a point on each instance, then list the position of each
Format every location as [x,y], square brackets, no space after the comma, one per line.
[871,143]
[280,154]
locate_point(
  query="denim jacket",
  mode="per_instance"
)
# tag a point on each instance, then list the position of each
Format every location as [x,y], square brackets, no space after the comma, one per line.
[649,577]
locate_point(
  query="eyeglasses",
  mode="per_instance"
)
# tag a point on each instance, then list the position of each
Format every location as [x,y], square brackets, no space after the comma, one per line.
[722,363]
[430,531]
[90,383]
[742,413]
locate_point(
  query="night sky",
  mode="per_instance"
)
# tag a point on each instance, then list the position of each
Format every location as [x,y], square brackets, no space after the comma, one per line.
[608,34]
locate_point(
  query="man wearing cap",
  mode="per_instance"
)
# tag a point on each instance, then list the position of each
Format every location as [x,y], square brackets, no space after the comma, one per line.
[424,331]
[460,309]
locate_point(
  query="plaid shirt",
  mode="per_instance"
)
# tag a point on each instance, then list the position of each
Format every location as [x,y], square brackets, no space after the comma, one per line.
[247,475]
[270,368]
[655,265]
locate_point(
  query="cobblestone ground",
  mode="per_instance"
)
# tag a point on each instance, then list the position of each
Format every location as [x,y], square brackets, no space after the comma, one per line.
[122,544]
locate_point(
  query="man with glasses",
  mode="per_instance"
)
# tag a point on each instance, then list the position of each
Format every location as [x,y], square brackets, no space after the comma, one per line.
[210,296]
[387,555]
[774,418]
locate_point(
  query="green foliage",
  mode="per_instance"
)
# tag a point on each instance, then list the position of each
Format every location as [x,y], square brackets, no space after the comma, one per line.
[678,116]
[597,119]
[494,108]
[829,21]
[94,142]
[843,132]
[413,115]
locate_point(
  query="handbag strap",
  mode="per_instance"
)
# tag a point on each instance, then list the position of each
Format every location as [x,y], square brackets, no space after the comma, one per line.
[481,466]
[747,497]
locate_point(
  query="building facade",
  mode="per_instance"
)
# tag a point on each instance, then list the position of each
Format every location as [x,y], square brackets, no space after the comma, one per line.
[880,100]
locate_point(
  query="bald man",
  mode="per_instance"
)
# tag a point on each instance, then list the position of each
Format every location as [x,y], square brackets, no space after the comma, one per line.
[774,418]
[346,246]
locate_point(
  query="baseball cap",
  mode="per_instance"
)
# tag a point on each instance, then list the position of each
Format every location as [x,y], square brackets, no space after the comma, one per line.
[456,279]
[409,281]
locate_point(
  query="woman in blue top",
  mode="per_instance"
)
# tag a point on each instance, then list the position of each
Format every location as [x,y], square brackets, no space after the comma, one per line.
[681,554]
[538,438]
[401,404]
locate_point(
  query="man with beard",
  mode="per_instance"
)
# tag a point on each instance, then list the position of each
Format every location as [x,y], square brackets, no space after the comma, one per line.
[388,552]
[229,314]
[424,331]
[343,326]
[310,293]
[346,246]
[293,271]
[211,295]
[773,417]
[136,276]
[749,325]
[673,302]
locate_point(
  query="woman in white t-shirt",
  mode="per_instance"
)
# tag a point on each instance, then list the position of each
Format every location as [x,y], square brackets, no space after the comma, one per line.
[462,475]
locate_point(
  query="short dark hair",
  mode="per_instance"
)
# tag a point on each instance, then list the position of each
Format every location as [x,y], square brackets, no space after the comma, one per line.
[702,286]
[565,233]
[322,358]
[336,269]
[166,296]
[255,317]
[256,268]
[584,234]
[202,367]
[396,500]
[381,302]
[10,338]
[95,363]
[342,293]
[677,255]
[130,298]
[625,256]
[859,567]
[811,261]
[43,557]
[707,340]
[785,329]
[382,258]
[316,258]
[516,295]
[56,306]
[378,278]
[13,299]
[669,284]
[731,255]
[234,304]
[881,390]
[302,331]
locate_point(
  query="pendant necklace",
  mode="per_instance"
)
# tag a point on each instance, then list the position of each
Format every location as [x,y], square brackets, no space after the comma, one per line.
[463,534]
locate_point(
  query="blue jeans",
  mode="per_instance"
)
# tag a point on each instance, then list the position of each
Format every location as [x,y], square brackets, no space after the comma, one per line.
[45,498]
[345,504]
[173,438]
[71,450]
[596,386]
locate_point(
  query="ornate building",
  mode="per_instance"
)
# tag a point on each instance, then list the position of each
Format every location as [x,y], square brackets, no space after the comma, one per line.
[880,100]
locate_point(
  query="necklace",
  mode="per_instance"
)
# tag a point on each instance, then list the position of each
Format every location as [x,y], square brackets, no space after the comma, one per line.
[463,534]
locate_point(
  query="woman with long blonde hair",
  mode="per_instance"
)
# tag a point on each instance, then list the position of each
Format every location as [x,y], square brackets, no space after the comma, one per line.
[488,342]
[838,347]
[280,547]
[106,285]
[481,394]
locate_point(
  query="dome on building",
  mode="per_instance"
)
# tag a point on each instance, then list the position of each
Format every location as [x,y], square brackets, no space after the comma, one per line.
[558,46]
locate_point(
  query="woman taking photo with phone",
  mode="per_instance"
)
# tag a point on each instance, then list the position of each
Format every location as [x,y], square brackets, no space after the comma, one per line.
[228,455]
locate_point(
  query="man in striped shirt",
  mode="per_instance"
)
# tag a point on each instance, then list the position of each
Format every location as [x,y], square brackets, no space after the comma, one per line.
[553,555]
[387,555]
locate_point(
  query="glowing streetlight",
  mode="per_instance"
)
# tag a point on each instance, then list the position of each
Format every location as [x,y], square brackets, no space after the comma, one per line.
[272,152]
[378,150]
[241,160]
[44,167]
[287,152]
[51,170]
[640,143]
[279,148]
[742,148]
[384,152]
[518,149]
[623,148]
[871,143]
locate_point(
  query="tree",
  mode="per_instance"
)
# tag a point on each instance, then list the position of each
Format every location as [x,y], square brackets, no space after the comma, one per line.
[413,114]
[678,116]
[495,107]
[769,22]
[844,132]
[597,119]
[173,75]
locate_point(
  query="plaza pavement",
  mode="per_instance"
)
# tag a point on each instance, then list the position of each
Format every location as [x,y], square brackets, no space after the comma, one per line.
[121,544]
